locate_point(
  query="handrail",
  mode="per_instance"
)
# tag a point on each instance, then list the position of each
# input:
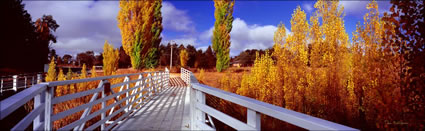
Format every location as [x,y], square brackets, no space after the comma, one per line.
[42,116]
[254,110]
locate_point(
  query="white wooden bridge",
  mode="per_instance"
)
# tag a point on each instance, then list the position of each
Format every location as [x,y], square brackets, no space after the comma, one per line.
[148,101]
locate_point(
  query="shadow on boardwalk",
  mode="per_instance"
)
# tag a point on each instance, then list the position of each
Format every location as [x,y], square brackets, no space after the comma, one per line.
[169,110]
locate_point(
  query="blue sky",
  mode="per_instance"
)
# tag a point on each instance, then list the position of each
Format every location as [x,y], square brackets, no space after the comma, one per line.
[85,25]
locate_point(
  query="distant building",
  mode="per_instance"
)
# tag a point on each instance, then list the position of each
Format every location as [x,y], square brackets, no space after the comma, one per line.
[236,63]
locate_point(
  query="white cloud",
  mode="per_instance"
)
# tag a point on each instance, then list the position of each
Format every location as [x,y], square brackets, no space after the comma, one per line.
[244,36]
[185,41]
[175,19]
[206,35]
[308,7]
[203,48]
[84,25]
[358,8]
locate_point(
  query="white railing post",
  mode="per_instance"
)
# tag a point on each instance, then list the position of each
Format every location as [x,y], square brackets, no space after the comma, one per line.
[25,81]
[141,83]
[168,78]
[48,108]
[38,100]
[155,82]
[148,84]
[38,78]
[1,87]
[127,94]
[32,81]
[192,109]
[254,119]
[102,116]
[199,115]
[15,82]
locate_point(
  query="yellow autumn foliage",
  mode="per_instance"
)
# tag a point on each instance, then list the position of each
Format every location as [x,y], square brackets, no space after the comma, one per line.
[262,83]
[51,73]
[110,59]
[184,57]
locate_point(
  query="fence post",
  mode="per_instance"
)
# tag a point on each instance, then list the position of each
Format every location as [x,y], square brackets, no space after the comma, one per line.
[168,78]
[38,100]
[106,86]
[48,108]
[254,119]
[199,115]
[1,87]
[15,82]
[155,82]
[25,81]
[192,109]
[38,78]
[127,93]
[142,86]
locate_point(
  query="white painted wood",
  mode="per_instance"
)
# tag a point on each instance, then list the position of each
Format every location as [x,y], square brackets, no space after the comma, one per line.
[38,78]
[151,84]
[192,109]
[24,123]
[102,116]
[48,108]
[232,122]
[94,114]
[200,115]
[15,83]
[12,103]
[60,115]
[254,119]
[256,108]
[117,97]
[1,87]
[295,118]
[160,113]
[88,109]
[204,126]
[127,93]
[40,127]
[39,99]
[46,98]
[25,86]
[60,99]
[211,121]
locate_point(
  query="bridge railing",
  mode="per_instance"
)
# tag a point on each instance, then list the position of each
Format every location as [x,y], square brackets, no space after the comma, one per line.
[15,82]
[129,98]
[199,110]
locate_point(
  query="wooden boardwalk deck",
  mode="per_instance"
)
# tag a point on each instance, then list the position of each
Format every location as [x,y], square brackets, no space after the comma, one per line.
[169,110]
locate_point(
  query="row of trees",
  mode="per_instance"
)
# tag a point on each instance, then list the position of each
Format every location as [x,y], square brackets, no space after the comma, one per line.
[195,58]
[141,25]
[375,82]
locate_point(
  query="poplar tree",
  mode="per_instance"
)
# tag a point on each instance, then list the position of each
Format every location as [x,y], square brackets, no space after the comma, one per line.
[184,56]
[334,57]
[221,34]
[51,73]
[110,59]
[140,23]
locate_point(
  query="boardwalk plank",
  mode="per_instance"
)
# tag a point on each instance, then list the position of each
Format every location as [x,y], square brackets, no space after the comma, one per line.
[168,110]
